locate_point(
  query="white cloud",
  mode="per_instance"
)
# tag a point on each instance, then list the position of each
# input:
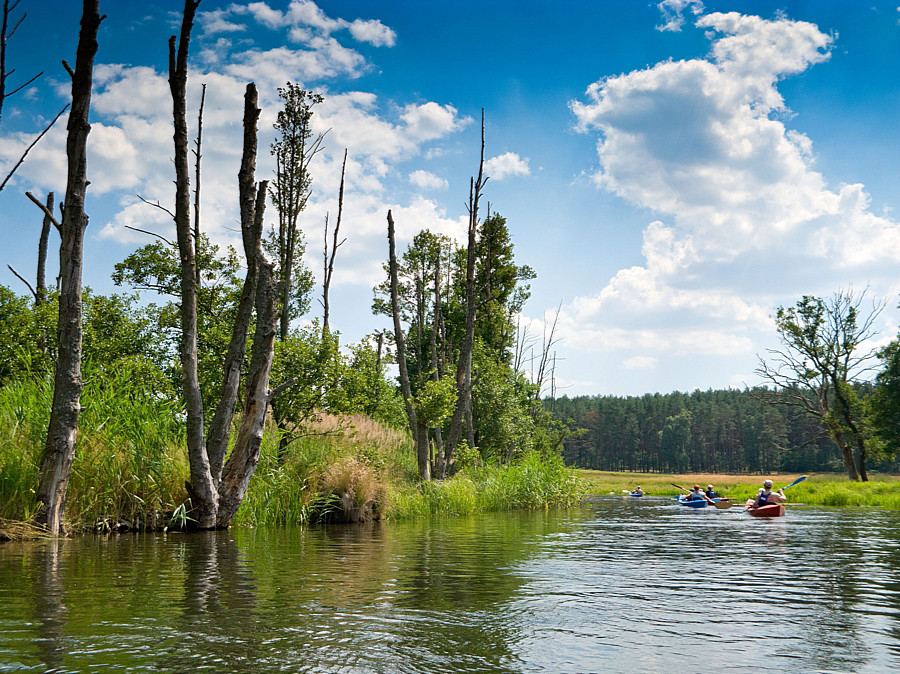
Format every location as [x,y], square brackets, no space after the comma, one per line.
[427,181]
[304,19]
[506,164]
[673,13]
[374,32]
[640,362]
[703,142]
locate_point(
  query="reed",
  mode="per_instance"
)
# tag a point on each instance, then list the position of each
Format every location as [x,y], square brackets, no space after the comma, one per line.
[535,482]
[129,463]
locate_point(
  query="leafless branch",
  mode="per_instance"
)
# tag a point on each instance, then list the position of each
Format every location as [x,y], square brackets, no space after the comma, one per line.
[157,205]
[33,143]
[158,236]
[22,279]
[21,86]
[47,212]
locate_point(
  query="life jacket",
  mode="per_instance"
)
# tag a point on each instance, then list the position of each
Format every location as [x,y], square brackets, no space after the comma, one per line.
[695,496]
[711,493]
[763,497]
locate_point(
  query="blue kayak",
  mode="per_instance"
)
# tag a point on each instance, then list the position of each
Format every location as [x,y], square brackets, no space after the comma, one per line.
[635,494]
[698,503]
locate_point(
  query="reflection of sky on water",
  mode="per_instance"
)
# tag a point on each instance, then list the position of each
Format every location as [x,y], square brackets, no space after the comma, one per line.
[617,585]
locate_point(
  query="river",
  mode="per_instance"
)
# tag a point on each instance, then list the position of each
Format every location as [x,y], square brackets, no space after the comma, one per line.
[617,585]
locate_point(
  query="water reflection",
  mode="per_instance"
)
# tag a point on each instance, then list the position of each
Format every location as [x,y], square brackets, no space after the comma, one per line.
[614,586]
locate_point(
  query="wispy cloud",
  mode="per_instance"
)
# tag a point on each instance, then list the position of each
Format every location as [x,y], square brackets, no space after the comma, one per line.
[673,13]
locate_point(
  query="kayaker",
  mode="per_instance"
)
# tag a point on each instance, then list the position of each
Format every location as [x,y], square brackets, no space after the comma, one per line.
[638,491]
[766,496]
[696,494]
[710,492]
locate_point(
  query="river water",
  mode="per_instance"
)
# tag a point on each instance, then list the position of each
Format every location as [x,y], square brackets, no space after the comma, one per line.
[616,585]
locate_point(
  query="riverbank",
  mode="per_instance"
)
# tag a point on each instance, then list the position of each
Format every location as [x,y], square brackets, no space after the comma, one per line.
[819,489]
[129,474]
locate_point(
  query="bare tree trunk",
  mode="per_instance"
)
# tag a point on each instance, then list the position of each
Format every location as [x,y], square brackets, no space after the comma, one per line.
[414,427]
[59,451]
[202,488]
[198,155]
[436,372]
[252,208]
[464,364]
[41,285]
[329,262]
[245,455]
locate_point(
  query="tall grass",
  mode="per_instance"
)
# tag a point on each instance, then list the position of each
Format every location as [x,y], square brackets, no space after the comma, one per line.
[129,464]
[535,482]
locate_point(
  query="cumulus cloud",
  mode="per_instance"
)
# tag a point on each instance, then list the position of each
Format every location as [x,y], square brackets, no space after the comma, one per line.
[703,142]
[505,165]
[427,181]
[303,19]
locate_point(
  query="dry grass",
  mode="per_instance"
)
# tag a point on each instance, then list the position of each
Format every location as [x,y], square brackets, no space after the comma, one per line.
[356,484]
[11,530]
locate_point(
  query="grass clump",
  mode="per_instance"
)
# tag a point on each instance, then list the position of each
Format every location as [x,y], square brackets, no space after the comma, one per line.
[535,482]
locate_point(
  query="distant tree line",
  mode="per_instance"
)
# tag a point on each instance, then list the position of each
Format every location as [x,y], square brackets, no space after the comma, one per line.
[726,431]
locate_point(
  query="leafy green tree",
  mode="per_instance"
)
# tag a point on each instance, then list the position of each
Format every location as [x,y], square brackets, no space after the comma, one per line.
[294,150]
[675,439]
[884,404]
[823,350]
[155,267]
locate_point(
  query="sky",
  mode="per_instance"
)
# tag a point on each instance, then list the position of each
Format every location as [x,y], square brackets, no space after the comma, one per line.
[673,171]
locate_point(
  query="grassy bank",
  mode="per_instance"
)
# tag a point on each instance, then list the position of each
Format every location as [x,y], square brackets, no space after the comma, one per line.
[820,489]
[131,466]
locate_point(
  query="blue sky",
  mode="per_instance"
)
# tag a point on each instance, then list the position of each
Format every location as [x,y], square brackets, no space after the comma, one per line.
[673,171]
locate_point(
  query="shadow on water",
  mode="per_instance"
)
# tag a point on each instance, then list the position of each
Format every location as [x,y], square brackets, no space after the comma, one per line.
[617,585]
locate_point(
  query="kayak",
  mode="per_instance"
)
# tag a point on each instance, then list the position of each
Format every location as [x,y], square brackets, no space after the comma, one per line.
[636,494]
[770,510]
[699,503]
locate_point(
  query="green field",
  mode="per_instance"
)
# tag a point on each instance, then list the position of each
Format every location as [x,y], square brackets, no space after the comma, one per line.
[819,489]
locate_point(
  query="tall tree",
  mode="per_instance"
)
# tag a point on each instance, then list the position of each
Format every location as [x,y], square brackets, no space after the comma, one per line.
[294,151]
[59,451]
[823,351]
[417,428]
[203,490]
[464,362]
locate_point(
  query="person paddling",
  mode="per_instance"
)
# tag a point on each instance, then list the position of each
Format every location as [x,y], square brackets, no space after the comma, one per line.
[696,494]
[710,492]
[766,496]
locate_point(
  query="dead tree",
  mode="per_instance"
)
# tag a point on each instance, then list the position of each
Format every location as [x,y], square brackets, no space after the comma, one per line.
[197,156]
[59,451]
[252,208]
[39,289]
[464,364]
[202,489]
[329,261]
[418,430]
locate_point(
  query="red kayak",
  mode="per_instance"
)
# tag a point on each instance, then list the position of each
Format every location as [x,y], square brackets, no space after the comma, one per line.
[770,510]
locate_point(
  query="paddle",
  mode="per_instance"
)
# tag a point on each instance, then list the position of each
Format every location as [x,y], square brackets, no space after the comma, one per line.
[797,481]
[688,490]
